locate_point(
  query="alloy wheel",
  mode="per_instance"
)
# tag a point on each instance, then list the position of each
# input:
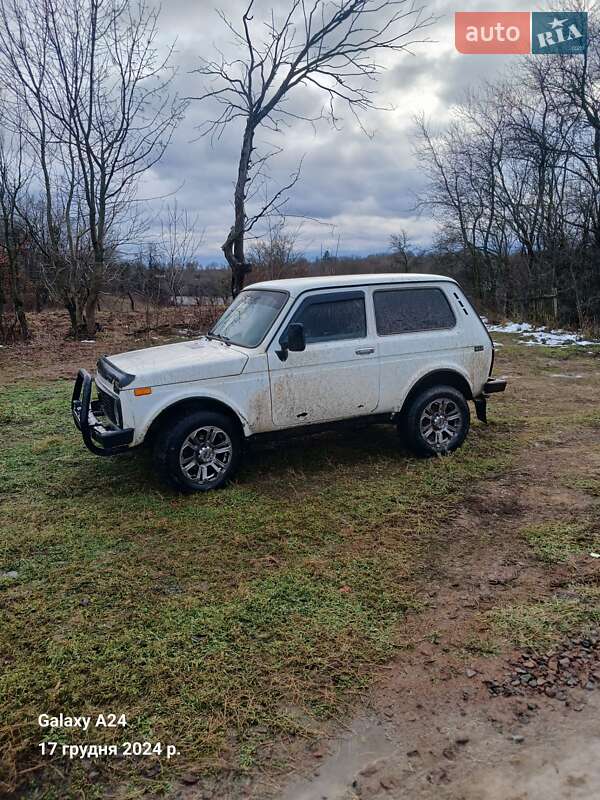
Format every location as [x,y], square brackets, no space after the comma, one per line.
[205,454]
[441,423]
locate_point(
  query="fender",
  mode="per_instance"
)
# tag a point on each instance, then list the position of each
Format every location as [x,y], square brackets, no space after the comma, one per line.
[147,409]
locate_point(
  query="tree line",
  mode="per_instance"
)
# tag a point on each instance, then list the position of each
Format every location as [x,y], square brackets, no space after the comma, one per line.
[514,182]
[87,108]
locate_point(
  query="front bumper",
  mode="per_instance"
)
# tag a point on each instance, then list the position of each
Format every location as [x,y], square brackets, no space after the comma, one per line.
[100,436]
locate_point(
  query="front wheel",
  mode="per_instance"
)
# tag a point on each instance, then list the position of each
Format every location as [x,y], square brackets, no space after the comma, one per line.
[437,421]
[199,452]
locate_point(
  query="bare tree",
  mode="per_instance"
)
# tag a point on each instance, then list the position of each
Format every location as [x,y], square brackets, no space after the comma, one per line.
[330,45]
[90,74]
[451,190]
[57,226]
[276,255]
[512,180]
[180,241]
[400,246]
[13,233]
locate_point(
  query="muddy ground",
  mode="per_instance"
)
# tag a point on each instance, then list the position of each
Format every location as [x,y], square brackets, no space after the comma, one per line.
[431,727]
[450,717]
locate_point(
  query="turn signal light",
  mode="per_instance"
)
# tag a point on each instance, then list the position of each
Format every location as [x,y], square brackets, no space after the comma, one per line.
[143,390]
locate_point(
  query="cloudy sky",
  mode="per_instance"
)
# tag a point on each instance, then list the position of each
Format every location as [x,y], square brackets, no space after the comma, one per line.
[360,189]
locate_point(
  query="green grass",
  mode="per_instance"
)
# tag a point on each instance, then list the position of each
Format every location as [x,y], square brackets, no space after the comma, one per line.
[481,646]
[204,619]
[570,352]
[540,624]
[588,485]
[538,360]
[592,419]
[558,541]
[515,346]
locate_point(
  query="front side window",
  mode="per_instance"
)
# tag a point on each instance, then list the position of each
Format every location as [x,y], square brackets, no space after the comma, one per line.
[250,317]
[331,320]
[410,310]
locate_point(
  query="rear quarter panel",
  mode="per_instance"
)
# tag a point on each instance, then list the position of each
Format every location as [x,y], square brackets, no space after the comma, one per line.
[482,360]
[408,357]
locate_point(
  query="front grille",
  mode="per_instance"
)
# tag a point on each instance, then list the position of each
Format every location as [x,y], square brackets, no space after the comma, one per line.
[110,406]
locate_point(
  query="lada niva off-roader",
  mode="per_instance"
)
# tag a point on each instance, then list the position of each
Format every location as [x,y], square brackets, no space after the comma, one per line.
[293,355]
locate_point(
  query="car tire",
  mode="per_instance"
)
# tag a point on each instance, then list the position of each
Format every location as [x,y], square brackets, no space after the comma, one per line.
[199,452]
[436,421]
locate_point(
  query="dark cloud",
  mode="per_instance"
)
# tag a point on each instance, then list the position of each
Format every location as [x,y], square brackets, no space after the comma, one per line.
[362,189]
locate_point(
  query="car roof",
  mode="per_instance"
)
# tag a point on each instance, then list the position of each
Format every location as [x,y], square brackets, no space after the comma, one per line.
[296,286]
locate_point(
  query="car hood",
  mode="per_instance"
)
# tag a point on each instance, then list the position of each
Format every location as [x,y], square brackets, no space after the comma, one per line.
[196,360]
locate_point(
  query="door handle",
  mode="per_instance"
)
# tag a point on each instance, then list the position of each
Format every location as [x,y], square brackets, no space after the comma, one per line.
[365,351]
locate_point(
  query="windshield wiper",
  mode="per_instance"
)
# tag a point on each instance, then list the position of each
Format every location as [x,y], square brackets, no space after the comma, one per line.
[218,337]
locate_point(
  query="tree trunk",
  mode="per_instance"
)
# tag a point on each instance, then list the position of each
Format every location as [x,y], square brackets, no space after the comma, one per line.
[41,298]
[90,316]
[21,318]
[2,304]
[19,306]
[75,316]
[16,295]
[91,304]
[233,247]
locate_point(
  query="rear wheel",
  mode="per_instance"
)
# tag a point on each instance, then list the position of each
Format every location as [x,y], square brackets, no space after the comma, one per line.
[437,421]
[199,452]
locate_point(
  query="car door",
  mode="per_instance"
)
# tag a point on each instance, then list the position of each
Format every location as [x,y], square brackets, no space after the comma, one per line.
[337,375]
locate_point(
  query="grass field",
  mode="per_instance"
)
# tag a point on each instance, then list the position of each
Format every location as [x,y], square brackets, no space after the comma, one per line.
[215,623]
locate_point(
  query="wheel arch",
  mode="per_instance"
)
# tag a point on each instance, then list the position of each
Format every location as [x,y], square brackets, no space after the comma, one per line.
[438,377]
[189,405]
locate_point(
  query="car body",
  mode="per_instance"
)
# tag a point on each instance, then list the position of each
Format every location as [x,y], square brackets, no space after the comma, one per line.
[293,354]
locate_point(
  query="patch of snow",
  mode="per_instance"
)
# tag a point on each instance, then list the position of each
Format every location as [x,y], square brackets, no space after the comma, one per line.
[556,339]
[511,327]
[88,341]
[541,336]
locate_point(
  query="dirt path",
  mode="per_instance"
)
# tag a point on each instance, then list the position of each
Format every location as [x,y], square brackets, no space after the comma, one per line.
[431,728]
[475,756]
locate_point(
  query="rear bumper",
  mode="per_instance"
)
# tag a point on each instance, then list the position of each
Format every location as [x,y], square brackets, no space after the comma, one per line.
[494,385]
[100,436]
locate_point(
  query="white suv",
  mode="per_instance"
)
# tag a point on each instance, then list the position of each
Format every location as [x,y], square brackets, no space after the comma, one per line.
[293,355]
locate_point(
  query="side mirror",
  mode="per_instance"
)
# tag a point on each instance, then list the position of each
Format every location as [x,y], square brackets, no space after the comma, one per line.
[296,342]
[292,341]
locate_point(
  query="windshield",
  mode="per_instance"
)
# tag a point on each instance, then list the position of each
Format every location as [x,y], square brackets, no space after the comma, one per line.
[249,318]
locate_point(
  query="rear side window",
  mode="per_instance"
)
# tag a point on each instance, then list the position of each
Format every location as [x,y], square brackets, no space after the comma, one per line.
[406,310]
[342,318]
